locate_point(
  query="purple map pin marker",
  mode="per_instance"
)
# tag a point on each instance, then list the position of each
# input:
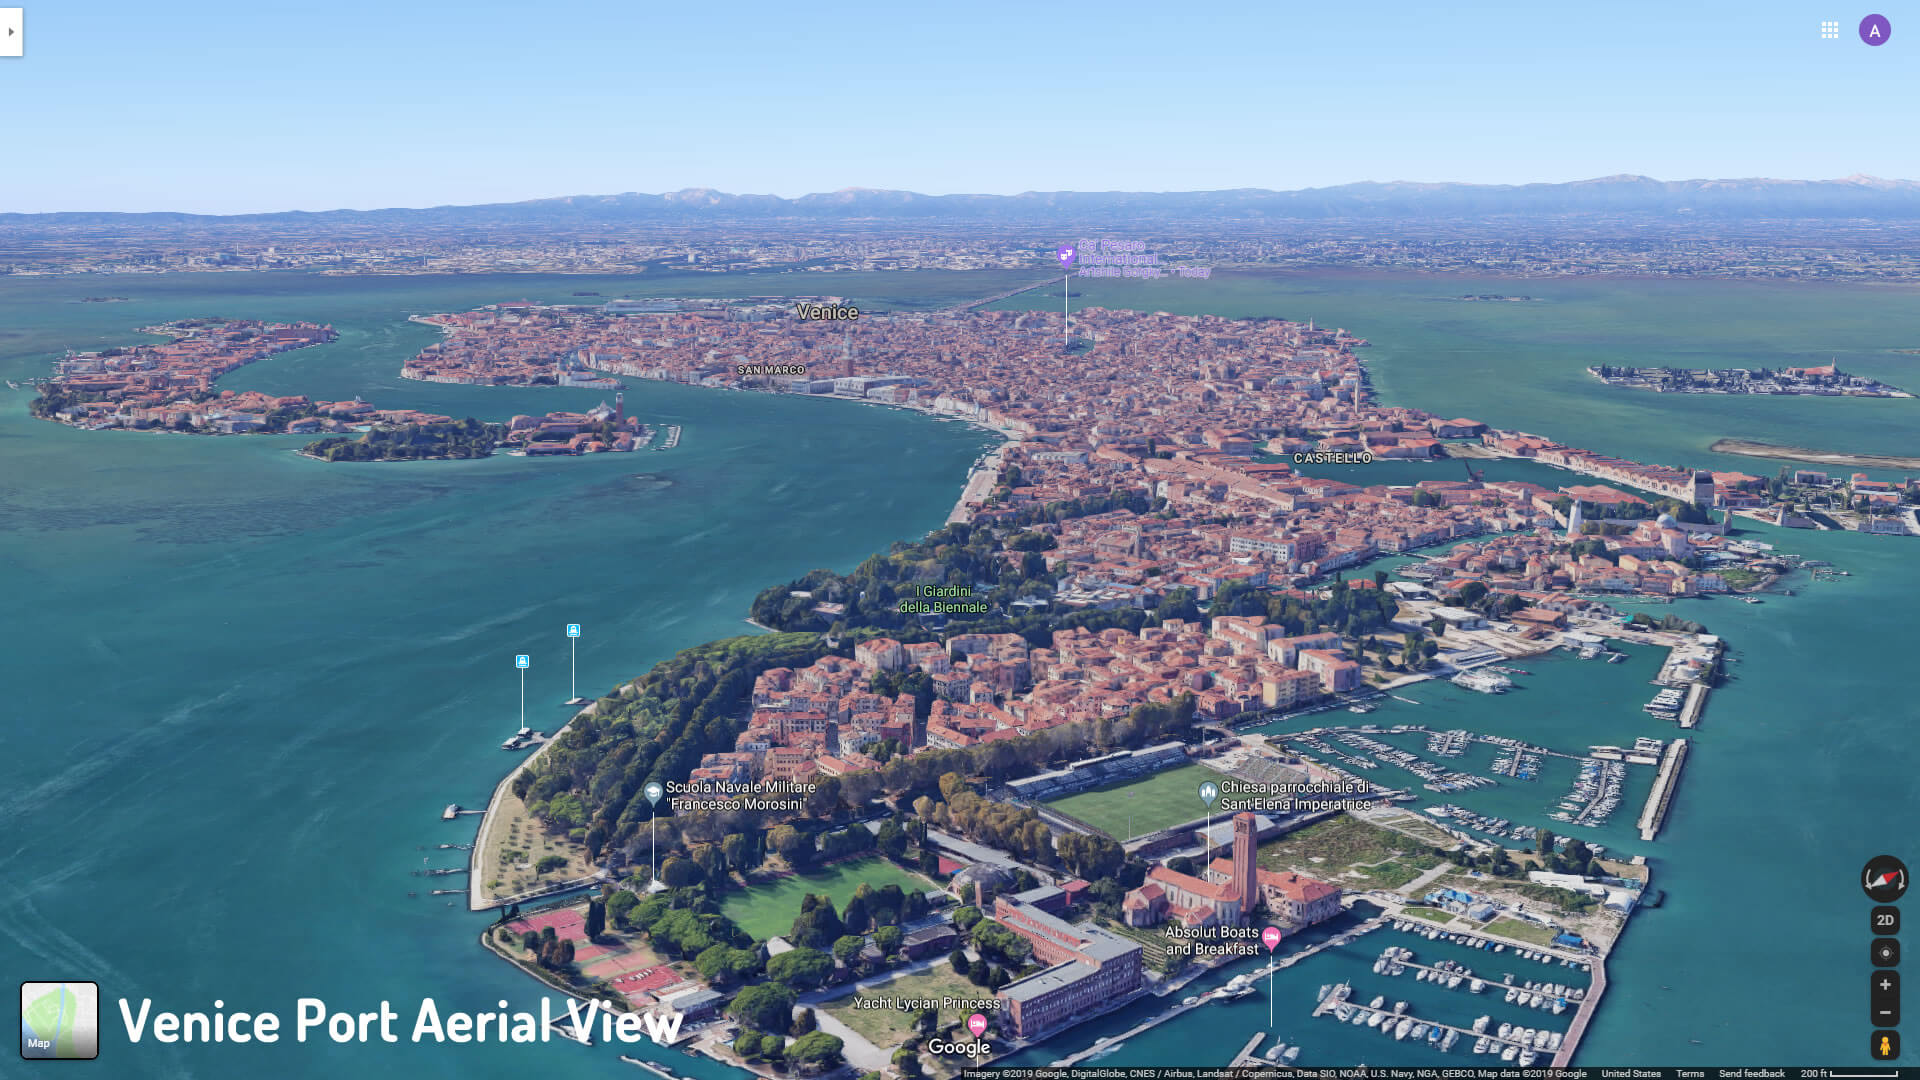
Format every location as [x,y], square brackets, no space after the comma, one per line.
[1066,253]
[1270,937]
[977,1024]
[1875,29]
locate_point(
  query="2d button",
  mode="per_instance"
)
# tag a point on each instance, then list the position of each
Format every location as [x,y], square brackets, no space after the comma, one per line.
[1886,920]
[1885,952]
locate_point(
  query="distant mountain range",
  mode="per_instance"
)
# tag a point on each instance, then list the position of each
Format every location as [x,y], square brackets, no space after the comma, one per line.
[1611,196]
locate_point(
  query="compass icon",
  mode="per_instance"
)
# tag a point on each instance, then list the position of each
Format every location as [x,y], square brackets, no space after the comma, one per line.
[1884,879]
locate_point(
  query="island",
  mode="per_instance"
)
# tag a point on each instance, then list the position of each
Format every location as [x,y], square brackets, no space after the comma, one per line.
[965,770]
[1826,381]
[170,387]
[412,442]
[1752,448]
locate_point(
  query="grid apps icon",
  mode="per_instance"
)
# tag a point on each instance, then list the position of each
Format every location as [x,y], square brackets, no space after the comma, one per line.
[1829,31]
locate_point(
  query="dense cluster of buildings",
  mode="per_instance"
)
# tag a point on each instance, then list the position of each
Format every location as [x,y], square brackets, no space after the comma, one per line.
[1826,380]
[171,384]
[601,428]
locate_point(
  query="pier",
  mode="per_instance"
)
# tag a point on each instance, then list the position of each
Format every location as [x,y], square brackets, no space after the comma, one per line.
[455,810]
[1664,785]
[1587,1006]
[1326,1008]
[1696,704]
[655,1069]
[1246,1055]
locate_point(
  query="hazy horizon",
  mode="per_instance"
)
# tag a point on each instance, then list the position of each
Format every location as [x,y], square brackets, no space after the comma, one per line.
[223,107]
[1860,179]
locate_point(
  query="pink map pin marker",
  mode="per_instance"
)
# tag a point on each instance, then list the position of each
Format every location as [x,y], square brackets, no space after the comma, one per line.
[977,1024]
[1270,937]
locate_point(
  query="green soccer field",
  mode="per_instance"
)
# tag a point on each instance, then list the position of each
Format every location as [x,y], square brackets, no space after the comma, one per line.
[768,910]
[1138,807]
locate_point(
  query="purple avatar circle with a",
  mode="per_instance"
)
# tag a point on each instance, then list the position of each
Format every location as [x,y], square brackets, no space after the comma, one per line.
[1875,29]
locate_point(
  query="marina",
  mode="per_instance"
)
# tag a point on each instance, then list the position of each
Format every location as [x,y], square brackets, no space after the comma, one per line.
[1398,960]
[1240,986]
[1511,1043]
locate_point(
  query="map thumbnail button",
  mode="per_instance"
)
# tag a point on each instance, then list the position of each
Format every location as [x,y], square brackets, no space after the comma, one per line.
[59,1020]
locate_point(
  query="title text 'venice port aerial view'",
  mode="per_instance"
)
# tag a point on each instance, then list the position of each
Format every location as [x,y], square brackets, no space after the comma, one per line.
[1257,550]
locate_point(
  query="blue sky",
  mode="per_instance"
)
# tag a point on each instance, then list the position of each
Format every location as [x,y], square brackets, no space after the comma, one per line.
[234,107]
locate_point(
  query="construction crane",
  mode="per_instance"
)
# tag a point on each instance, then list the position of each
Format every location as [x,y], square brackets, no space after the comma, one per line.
[1473,474]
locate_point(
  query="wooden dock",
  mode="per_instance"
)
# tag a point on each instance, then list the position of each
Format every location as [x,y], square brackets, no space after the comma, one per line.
[1579,1027]
[1664,785]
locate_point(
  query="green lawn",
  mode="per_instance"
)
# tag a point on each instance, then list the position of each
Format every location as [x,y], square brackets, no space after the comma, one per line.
[1520,931]
[1339,842]
[887,1027]
[1427,913]
[768,910]
[1138,807]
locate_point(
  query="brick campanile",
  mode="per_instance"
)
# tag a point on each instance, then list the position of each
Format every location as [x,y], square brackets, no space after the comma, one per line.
[1245,880]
